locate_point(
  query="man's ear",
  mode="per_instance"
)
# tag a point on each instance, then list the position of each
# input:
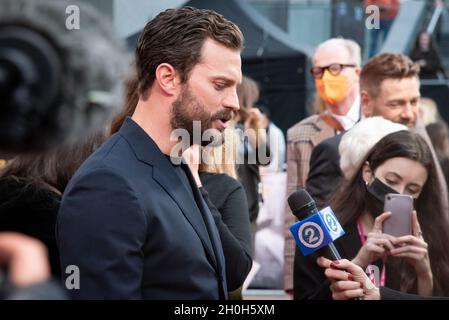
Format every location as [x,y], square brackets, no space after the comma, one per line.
[366,104]
[367,173]
[167,79]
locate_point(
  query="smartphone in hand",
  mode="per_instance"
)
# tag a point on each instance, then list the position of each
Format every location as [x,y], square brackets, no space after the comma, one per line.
[400,222]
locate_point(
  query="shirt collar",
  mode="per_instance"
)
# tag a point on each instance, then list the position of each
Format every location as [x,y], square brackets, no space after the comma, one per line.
[348,120]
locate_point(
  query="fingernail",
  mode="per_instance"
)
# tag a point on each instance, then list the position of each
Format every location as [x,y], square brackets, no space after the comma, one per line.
[337,262]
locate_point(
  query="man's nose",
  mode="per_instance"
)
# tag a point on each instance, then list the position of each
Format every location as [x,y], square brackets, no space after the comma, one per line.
[408,112]
[232,101]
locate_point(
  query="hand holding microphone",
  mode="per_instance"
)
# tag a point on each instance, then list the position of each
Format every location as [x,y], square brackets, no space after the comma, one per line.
[315,229]
[348,280]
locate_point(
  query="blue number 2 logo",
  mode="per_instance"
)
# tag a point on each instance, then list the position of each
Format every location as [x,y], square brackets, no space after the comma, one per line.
[311,234]
[330,220]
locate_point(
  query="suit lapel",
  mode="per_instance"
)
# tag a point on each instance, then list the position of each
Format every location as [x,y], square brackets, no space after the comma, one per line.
[168,179]
[211,229]
[148,152]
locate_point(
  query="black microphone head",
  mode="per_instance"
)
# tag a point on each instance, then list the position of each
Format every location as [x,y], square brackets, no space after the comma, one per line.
[302,204]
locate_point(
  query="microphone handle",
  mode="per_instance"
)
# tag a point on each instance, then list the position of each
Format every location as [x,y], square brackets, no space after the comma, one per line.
[334,251]
[336,255]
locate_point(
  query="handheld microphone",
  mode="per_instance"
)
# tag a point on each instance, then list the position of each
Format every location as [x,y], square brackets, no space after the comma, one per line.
[315,229]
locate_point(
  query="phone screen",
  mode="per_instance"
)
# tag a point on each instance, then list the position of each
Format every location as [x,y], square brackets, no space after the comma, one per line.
[400,222]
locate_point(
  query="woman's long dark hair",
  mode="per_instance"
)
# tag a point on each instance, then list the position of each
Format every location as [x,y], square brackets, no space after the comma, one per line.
[350,201]
[54,168]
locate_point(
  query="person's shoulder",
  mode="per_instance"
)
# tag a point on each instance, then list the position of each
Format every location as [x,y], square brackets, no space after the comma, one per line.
[303,129]
[329,143]
[100,174]
[114,155]
[328,147]
[333,141]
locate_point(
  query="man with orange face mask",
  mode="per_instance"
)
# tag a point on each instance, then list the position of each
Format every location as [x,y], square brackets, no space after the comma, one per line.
[336,68]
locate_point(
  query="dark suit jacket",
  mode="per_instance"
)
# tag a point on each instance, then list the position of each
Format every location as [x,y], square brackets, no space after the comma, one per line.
[325,174]
[133,229]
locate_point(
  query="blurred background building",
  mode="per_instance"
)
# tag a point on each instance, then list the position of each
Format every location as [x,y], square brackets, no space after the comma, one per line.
[295,27]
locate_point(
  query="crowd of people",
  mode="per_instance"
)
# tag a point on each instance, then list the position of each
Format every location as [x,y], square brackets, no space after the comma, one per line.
[163,202]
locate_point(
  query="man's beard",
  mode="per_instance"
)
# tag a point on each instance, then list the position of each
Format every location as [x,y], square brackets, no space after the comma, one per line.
[187,109]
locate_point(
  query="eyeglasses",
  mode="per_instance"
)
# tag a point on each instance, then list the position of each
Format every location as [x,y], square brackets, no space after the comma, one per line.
[334,69]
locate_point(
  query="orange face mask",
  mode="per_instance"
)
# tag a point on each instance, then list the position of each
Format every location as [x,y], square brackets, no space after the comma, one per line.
[332,89]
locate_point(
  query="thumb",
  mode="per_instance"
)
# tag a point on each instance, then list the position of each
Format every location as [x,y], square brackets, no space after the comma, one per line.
[378,222]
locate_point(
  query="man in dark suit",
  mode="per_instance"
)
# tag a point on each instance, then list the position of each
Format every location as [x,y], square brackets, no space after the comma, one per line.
[325,173]
[389,87]
[132,219]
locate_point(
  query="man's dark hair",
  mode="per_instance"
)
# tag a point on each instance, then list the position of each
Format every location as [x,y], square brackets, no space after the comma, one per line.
[386,66]
[176,36]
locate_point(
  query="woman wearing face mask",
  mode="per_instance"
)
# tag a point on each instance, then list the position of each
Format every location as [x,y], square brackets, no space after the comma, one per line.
[401,162]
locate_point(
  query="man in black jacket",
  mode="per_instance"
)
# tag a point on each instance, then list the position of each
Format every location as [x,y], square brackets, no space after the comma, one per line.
[132,219]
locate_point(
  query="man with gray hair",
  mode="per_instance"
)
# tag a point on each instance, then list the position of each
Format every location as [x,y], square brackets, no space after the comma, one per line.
[336,68]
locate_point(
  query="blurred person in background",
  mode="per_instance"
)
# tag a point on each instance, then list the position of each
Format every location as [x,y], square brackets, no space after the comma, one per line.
[277,144]
[254,147]
[336,68]
[426,56]
[269,239]
[29,274]
[428,111]
[439,135]
[31,186]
